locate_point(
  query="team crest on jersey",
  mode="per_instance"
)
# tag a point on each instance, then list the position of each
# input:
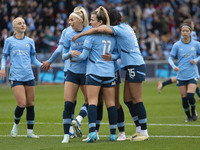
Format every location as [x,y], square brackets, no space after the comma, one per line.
[180,49]
[27,45]
[192,48]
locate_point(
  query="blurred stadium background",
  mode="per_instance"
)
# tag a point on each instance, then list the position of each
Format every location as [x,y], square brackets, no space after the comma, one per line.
[156,23]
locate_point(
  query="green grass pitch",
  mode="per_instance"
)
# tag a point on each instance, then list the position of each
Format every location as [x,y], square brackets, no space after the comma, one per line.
[165,117]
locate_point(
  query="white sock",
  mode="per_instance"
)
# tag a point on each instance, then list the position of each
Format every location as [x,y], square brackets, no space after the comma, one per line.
[138,129]
[79,118]
[29,130]
[122,132]
[16,125]
[71,130]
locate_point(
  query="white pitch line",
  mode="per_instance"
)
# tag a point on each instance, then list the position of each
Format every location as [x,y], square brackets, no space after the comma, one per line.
[103,123]
[152,136]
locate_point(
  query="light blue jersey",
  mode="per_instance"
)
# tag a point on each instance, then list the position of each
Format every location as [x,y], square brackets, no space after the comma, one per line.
[185,53]
[98,45]
[117,67]
[78,67]
[63,38]
[22,55]
[127,45]
[194,35]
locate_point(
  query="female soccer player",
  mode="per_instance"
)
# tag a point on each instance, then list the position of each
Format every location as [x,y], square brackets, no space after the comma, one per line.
[62,46]
[173,79]
[120,112]
[99,74]
[186,51]
[132,61]
[21,51]
[76,72]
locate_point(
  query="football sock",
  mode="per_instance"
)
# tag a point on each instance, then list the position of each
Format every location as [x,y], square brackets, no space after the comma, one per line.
[112,116]
[120,119]
[191,100]
[92,117]
[186,106]
[30,115]
[169,81]
[18,113]
[67,114]
[99,116]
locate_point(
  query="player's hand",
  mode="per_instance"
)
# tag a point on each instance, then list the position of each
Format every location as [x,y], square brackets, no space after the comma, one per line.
[106,57]
[75,37]
[45,66]
[49,69]
[75,53]
[176,69]
[2,74]
[192,62]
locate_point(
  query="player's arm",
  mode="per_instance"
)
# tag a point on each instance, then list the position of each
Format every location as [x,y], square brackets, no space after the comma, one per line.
[194,61]
[3,66]
[171,62]
[46,64]
[34,61]
[100,29]
[66,53]
[82,56]
[56,53]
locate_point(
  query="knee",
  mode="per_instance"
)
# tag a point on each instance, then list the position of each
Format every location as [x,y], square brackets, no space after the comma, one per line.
[21,104]
[117,104]
[190,95]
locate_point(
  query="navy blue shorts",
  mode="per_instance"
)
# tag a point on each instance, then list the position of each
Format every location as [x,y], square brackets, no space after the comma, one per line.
[75,78]
[100,81]
[135,73]
[65,75]
[24,83]
[117,77]
[186,82]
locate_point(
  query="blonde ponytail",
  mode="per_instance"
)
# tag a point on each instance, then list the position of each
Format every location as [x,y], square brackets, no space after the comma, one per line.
[85,17]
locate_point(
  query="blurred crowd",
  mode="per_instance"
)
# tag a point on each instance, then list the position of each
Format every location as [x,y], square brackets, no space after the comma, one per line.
[156,22]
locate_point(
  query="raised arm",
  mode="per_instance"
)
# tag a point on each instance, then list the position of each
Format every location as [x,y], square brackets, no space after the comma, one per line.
[100,29]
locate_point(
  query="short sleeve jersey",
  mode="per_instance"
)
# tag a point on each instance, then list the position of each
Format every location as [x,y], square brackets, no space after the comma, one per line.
[98,45]
[63,38]
[78,67]
[127,45]
[20,51]
[185,53]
